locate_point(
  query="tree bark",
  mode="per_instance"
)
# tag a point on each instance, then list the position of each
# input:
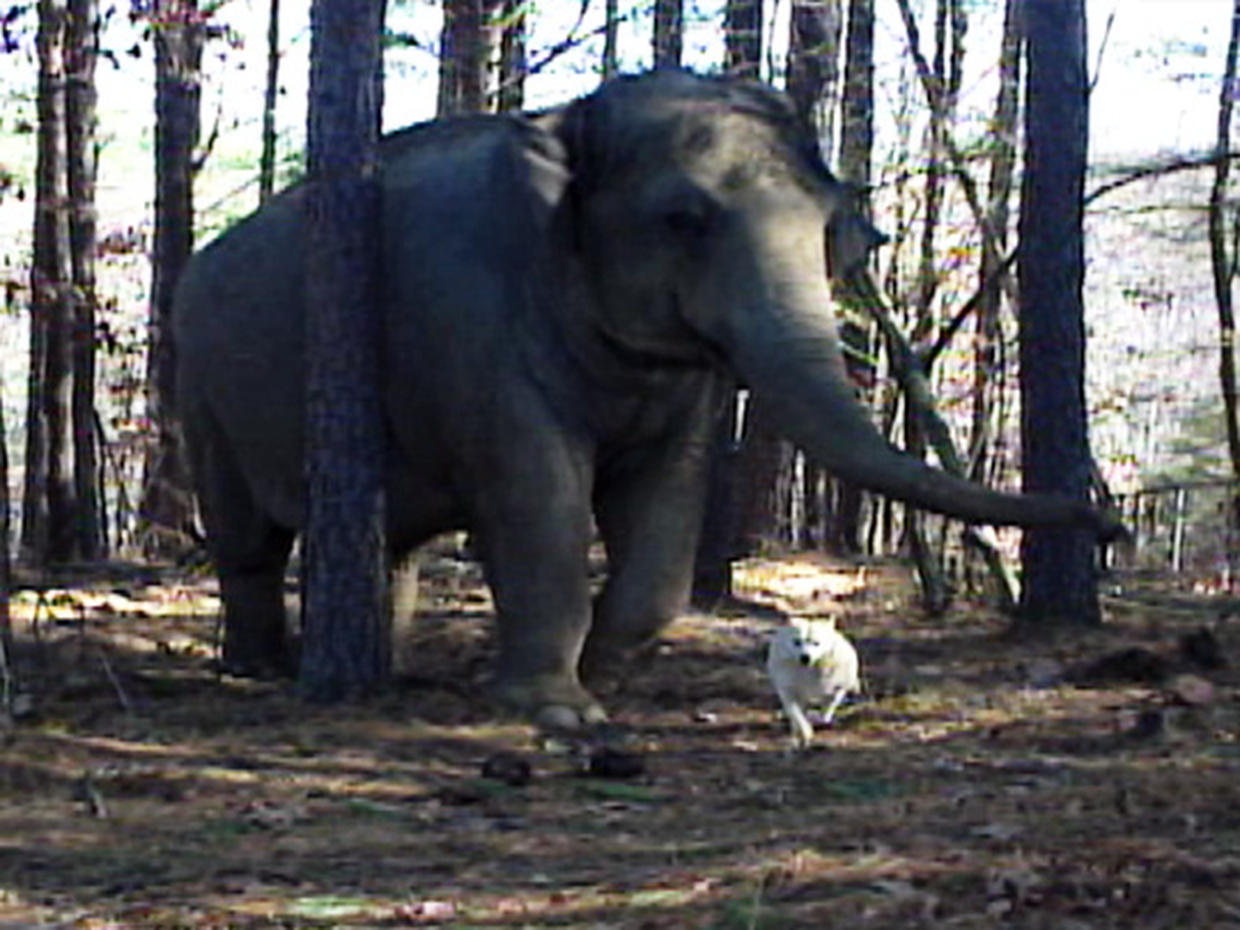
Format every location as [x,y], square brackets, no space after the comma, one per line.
[987,368]
[83,43]
[611,30]
[178,33]
[1059,580]
[1224,265]
[512,61]
[346,635]
[468,50]
[7,673]
[814,31]
[668,33]
[815,28]
[743,38]
[856,153]
[267,160]
[50,506]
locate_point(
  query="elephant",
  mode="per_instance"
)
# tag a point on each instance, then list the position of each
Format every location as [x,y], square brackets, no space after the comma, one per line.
[568,296]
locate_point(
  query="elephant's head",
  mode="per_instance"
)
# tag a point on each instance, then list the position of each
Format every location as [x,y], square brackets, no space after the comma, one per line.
[710,227]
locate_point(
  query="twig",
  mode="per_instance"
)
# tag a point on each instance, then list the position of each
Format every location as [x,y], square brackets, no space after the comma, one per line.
[120,692]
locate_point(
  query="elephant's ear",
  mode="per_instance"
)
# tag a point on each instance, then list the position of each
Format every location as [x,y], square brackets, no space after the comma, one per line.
[850,240]
[544,173]
[850,236]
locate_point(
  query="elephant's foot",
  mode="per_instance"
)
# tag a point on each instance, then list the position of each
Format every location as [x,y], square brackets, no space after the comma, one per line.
[550,701]
[605,660]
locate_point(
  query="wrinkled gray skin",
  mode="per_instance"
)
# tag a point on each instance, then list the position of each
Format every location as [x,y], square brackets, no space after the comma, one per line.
[568,297]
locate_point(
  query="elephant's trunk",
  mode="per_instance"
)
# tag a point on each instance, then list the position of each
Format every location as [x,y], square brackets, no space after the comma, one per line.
[789,354]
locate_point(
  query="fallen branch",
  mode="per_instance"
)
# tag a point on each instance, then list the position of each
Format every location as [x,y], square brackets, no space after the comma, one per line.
[910,370]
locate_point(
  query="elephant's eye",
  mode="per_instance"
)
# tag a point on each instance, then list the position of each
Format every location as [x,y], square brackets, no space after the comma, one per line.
[686,211]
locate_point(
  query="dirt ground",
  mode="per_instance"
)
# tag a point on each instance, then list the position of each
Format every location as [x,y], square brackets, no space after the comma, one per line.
[981,781]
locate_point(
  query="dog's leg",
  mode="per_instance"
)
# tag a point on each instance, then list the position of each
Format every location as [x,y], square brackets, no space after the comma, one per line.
[802,730]
[835,704]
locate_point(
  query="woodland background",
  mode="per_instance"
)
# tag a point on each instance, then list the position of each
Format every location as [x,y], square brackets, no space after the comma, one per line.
[1152,316]
[1078,780]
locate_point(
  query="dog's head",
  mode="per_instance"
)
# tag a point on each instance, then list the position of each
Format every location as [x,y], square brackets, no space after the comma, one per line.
[805,641]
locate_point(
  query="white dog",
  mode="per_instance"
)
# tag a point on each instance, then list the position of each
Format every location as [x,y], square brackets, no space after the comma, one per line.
[809,662]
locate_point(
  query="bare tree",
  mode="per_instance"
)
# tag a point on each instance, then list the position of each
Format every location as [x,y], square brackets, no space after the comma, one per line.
[7,673]
[178,31]
[856,154]
[815,28]
[469,47]
[611,30]
[346,637]
[267,160]
[1224,264]
[743,38]
[1059,580]
[512,59]
[82,38]
[49,505]
[987,362]
[740,506]
[669,27]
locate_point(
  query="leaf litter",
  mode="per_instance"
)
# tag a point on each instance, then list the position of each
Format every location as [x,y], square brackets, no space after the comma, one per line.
[981,780]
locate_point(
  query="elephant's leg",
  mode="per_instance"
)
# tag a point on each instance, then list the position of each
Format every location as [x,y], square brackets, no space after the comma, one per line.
[252,588]
[650,519]
[534,545]
[250,552]
[404,588]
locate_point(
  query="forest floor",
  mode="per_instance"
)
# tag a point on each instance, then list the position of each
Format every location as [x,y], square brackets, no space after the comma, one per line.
[1077,782]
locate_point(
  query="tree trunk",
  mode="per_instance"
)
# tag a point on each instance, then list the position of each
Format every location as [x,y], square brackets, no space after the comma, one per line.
[1224,265]
[856,152]
[83,43]
[712,567]
[669,31]
[611,29]
[50,504]
[167,504]
[267,160]
[8,676]
[512,63]
[469,49]
[987,369]
[814,31]
[743,38]
[346,636]
[1059,582]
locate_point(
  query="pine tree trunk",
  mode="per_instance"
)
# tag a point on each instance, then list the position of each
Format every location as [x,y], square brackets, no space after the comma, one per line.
[987,370]
[729,515]
[167,504]
[1223,265]
[469,50]
[743,38]
[1059,579]
[512,57]
[267,160]
[611,29]
[815,28]
[50,502]
[346,635]
[8,675]
[856,151]
[83,41]
[669,39]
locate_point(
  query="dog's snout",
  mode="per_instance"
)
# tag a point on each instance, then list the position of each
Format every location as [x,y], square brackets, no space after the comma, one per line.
[804,659]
